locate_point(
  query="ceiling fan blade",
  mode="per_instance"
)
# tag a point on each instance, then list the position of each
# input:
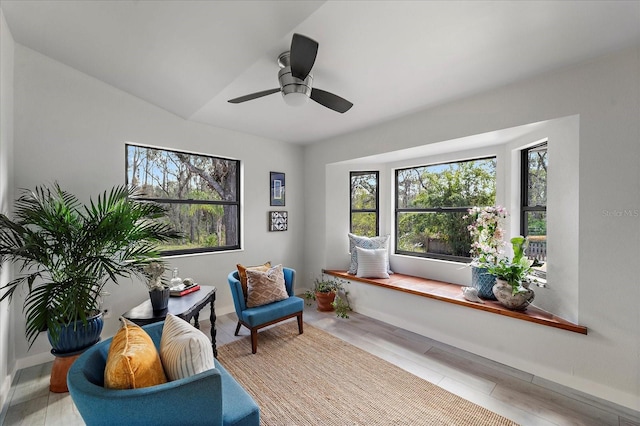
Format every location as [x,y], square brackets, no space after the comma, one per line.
[330,100]
[302,55]
[253,96]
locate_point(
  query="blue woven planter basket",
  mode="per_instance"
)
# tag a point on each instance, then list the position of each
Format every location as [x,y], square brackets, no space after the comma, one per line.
[483,282]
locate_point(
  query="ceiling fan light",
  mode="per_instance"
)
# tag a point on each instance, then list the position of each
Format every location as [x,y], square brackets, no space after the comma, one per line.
[295,92]
[295,99]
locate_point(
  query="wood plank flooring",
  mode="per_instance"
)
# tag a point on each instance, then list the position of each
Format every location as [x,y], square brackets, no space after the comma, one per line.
[506,391]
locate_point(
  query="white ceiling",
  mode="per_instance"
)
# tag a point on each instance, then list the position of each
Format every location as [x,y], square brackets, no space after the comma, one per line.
[389,58]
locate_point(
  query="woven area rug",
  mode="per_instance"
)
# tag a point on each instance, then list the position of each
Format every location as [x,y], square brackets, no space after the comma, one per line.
[317,379]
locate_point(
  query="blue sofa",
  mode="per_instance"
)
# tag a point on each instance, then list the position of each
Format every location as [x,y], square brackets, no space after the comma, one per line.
[209,398]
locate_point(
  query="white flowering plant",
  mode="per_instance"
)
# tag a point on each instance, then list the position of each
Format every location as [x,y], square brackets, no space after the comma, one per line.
[487,234]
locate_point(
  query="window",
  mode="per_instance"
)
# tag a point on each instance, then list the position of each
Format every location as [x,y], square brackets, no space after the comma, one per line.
[202,194]
[431,204]
[364,203]
[533,220]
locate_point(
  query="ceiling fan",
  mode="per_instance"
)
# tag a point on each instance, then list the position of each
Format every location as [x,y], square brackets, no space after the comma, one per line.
[296,79]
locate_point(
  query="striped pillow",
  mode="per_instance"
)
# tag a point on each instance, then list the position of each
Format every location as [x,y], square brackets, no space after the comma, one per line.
[184,350]
[372,263]
[366,243]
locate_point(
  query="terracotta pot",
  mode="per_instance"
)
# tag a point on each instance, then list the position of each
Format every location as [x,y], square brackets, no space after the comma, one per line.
[517,302]
[325,300]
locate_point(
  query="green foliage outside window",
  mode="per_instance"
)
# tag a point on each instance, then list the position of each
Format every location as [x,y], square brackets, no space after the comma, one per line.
[432,202]
[364,203]
[534,201]
[200,192]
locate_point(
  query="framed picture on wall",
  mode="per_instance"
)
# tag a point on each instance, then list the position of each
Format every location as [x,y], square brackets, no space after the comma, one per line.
[278,221]
[277,189]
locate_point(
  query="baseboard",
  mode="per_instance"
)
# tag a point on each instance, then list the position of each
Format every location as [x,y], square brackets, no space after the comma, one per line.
[578,395]
[37,359]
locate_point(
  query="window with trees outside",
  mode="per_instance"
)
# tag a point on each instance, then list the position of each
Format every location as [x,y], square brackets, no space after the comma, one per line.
[432,202]
[202,194]
[364,203]
[533,220]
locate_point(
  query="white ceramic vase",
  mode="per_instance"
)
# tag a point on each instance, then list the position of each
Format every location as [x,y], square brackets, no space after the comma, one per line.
[517,302]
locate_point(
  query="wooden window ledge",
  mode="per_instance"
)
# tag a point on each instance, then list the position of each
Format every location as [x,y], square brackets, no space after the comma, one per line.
[452,293]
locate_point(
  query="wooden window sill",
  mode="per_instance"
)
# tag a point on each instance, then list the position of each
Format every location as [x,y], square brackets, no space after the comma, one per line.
[452,293]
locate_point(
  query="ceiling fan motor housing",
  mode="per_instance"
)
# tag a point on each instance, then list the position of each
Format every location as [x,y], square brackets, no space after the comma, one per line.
[290,84]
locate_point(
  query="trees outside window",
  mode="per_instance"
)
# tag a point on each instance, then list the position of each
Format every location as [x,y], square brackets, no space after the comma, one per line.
[364,203]
[202,194]
[432,202]
[533,221]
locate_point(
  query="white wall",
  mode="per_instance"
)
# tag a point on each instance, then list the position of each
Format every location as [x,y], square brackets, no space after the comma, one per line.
[605,95]
[7,357]
[72,128]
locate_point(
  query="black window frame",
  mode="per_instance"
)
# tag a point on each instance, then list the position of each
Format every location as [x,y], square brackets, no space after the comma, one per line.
[525,208]
[398,211]
[169,201]
[376,211]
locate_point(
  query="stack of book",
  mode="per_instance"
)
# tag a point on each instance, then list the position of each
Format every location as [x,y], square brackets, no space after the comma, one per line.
[186,290]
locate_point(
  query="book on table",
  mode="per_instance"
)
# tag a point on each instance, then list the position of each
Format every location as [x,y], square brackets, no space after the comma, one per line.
[186,290]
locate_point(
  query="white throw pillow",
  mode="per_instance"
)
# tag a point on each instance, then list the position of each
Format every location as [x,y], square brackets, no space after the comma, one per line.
[367,243]
[184,350]
[372,263]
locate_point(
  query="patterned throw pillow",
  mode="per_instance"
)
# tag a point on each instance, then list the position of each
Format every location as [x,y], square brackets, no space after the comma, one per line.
[133,361]
[184,350]
[372,263]
[242,273]
[367,243]
[265,287]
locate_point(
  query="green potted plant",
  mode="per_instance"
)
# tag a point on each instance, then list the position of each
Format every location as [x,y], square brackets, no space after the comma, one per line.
[66,252]
[512,277]
[331,295]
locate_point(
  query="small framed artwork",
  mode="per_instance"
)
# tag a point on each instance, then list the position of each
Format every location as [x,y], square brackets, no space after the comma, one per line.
[277,188]
[278,221]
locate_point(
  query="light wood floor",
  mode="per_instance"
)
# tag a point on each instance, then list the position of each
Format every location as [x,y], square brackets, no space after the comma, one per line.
[511,393]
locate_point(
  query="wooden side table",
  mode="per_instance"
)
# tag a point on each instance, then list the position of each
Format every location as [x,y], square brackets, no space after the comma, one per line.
[186,307]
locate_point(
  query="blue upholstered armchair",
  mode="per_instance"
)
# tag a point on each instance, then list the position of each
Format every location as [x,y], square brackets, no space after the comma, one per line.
[262,316]
[212,397]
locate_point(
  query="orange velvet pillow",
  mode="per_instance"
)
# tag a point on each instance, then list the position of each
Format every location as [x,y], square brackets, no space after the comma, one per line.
[133,361]
[242,273]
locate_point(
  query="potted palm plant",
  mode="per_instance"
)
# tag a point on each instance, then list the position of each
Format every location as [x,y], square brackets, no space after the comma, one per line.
[66,252]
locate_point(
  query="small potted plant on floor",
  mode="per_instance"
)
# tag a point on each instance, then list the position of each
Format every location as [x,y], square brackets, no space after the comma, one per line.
[330,294]
[512,277]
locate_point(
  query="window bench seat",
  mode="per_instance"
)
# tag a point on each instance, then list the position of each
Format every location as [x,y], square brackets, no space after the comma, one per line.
[452,293]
